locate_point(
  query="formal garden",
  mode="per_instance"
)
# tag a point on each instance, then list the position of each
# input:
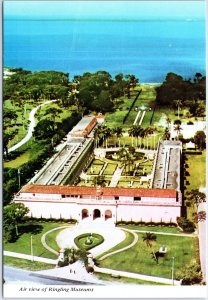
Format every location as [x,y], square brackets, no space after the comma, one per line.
[126,167]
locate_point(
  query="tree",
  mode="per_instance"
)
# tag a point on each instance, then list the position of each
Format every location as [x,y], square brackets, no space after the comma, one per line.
[178,129]
[196,197]
[185,224]
[167,133]
[13,214]
[190,274]
[200,216]
[99,181]
[149,237]
[44,129]
[135,131]
[200,139]
[118,131]
[53,112]
[178,103]
[197,77]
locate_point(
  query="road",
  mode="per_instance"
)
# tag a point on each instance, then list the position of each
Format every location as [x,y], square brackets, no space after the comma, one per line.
[13,275]
[31,127]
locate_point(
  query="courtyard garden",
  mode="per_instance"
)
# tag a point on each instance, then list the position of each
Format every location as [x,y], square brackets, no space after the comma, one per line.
[119,169]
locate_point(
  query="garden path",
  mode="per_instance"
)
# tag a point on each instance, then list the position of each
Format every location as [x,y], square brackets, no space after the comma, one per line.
[111,234]
[192,235]
[116,177]
[31,127]
[125,248]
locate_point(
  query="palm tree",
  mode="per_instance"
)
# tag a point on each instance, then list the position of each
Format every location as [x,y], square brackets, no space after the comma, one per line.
[178,103]
[135,131]
[149,237]
[126,158]
[143,134]
[107,132]
[167,133]
[178,129]
[118,131]
[168,120]
[99,181]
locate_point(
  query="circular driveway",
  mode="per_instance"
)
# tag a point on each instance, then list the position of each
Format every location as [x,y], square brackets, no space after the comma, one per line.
[112,235]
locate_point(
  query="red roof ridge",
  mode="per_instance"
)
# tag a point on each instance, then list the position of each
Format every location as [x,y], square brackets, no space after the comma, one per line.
[105,191]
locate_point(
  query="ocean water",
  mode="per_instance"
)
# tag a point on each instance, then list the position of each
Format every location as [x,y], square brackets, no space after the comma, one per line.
[149,48]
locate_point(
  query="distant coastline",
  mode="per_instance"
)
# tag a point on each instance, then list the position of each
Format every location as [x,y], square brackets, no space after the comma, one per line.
[101,19]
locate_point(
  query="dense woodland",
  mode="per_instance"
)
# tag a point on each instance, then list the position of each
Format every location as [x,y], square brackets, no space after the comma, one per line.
[176,91]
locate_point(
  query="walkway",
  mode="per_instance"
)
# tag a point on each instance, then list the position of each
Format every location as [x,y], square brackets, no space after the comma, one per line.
[112,235]
[137,116]
[202,240]
[116,177]
[31,127]
[43,241]
[76,272]
[31,257]
[192,235]
[125,248]
[142,117]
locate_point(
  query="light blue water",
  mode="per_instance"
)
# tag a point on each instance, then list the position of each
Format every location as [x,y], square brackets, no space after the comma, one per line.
[148,49]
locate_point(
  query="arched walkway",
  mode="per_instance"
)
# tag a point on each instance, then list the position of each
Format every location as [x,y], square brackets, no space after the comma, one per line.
[96,214]
[108,214]
[85,214]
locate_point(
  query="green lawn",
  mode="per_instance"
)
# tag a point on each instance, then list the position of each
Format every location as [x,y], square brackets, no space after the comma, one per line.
[36,230]
[107,277]
[138,259]
[110,169]
[128,240]
[123,104]
[152,228]
[25,153]
[197,176]
[26,264]
[51,238]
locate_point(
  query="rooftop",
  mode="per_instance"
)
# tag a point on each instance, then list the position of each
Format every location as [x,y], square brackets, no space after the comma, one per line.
[104,191]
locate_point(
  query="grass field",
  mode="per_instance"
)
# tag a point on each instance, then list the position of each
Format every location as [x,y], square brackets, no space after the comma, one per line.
[146,98]
[152,228]
[36,230]
[26,264]
[197,176]
[128,240]
[124,280]
[138,259]
[25,153]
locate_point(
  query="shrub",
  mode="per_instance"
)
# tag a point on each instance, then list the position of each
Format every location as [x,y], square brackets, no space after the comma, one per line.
[63,263]
[187,225]
[177,122]
[190,274]
[89,269]
[190,123]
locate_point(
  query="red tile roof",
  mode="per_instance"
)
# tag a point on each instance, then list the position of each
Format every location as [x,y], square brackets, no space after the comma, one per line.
[106,191]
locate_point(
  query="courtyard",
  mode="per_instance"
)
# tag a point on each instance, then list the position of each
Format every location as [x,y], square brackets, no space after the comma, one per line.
[119,168]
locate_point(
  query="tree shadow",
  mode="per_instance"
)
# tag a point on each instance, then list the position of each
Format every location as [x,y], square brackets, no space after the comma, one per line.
[30,228]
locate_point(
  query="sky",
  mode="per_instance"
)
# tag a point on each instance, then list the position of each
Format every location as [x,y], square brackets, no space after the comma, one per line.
[106,9]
